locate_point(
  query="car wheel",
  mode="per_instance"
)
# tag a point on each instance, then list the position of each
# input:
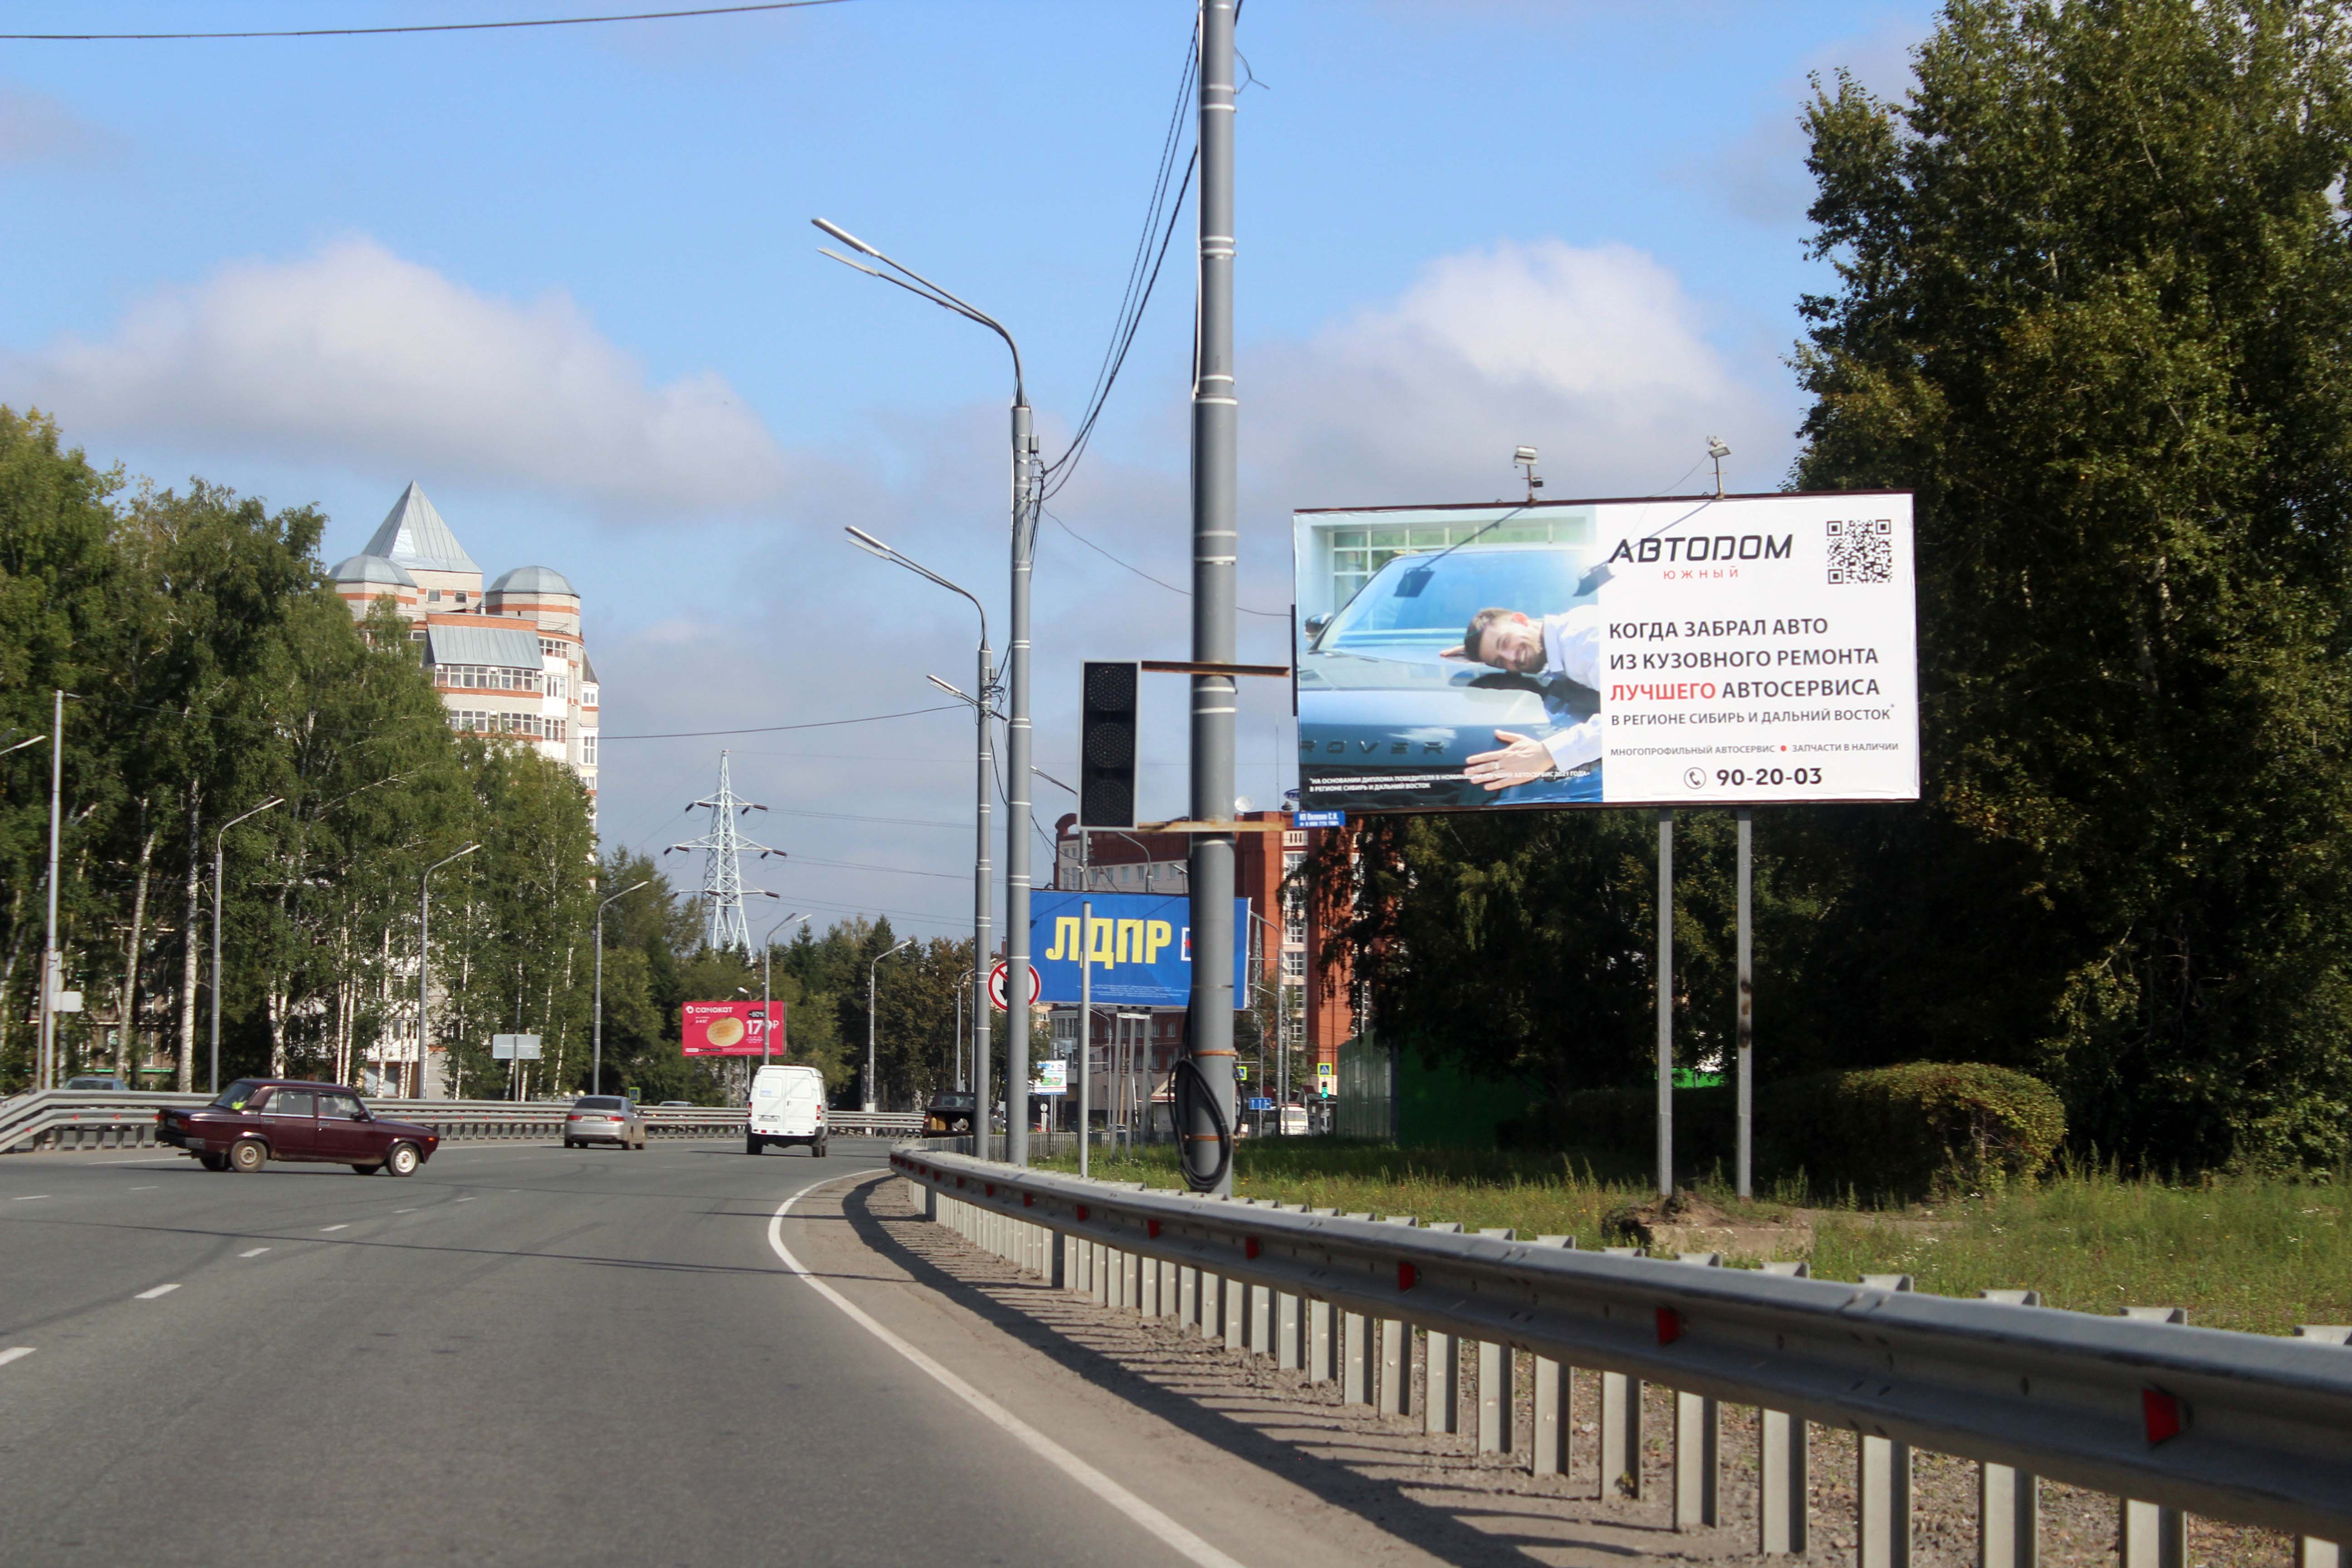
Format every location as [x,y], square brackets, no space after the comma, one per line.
[752,1145]
[365,1169]
[816,1149]
[247,1155]
[402,1160]
[212,1162]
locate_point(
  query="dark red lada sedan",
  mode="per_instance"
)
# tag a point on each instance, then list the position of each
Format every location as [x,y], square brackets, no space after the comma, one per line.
[257,1120]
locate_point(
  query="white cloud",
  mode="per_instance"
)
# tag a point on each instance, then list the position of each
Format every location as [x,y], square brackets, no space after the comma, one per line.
[356,354]
[37,128]
[1597,356]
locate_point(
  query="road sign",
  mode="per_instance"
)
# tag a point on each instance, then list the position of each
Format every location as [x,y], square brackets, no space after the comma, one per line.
[1327,1070]
[1052,1077]
[514,1048]
[1241,1072]
[1319,819]
[65,1001]
[996,986]
[1261,1102]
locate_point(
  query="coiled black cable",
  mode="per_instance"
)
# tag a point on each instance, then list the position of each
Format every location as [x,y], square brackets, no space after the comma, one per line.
[1191,1091]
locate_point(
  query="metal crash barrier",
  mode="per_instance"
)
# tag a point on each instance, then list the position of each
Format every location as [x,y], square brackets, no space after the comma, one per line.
[2238,1426]
[77,1119]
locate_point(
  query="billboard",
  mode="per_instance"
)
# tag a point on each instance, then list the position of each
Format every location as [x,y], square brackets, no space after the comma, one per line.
[731,1028]
[1697,651]
[1142,946]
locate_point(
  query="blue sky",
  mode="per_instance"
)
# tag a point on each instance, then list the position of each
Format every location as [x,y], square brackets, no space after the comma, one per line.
[565,279]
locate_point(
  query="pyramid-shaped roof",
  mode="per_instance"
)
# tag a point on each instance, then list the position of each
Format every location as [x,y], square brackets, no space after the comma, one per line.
[414,535]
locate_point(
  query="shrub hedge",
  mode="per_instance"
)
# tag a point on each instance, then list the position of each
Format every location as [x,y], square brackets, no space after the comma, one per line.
[1885,1134]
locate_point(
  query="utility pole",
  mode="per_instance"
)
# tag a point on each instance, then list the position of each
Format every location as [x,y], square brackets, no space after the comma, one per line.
[1026,487]
[722,871]
[873,1100]
[1215,544]
[425,959]
[52,962]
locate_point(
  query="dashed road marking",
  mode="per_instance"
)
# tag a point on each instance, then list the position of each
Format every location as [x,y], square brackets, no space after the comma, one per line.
[15,1352]
[255,1253]
[148,1188]
[465,1200]
[334,1228]
[404,1211]
[32,1197]
[159,1291]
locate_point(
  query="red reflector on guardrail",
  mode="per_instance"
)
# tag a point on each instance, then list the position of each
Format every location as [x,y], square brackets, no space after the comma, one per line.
[1152,1229]
[1249,1247]
[1028,1200]
[959,1181]
[2165,1415]
[1670,1325]
[1082,1211]
[1407,1277]
[991,1189]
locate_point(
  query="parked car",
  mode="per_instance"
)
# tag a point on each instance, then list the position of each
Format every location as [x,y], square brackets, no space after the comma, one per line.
[255,1121]
[787,1108]
[951,1113]
[603,1119]
[103,1083]
[1386,723]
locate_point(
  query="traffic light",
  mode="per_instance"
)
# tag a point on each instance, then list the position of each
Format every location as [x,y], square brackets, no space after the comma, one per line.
[1107,745]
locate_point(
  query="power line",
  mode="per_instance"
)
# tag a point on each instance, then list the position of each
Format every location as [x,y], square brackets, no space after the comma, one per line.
[1156,582]
[773,728]
[418,28]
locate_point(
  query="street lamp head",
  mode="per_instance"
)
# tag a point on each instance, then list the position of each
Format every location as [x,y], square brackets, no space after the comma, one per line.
[1715,447]
[859,266]
[868,544]
[951,690]
[845,238]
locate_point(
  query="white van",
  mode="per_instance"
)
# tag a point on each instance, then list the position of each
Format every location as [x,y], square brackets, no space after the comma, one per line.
[787,1107]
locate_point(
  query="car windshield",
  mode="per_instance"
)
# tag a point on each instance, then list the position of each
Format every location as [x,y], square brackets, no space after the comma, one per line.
[600,1103]
[236,1096]
[1427,601]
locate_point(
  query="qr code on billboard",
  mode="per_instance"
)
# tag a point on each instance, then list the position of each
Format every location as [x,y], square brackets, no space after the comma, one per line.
[1862,551]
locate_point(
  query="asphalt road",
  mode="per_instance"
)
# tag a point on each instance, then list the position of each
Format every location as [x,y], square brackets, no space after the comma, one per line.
[522,1355]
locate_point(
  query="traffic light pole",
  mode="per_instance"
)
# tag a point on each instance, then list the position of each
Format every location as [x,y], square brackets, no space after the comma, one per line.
[1215,545]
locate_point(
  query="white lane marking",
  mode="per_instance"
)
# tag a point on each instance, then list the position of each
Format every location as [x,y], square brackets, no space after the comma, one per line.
[464,1200]
[1166,1530]
[404,1211]
[255,1253]
[159,1291]
[150,1159]
[15,1352]
[148,1188]
[334,1228]
[32,1197]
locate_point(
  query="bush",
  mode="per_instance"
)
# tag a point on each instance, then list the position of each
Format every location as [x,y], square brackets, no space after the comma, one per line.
[1885,1134]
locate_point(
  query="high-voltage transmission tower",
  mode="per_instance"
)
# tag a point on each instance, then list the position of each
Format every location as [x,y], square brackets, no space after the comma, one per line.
[722,866]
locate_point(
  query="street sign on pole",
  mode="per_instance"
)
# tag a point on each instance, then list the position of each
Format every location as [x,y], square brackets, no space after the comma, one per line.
[1319,819]
[514,1048]
[996,978]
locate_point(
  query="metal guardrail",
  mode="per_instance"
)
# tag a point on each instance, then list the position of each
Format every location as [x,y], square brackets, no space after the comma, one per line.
[2232,1425]
[79,1119]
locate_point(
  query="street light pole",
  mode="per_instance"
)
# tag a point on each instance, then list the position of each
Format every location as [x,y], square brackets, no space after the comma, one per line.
[52,962]
[1216,542]
[596,1072]
[1027,500]
[872,1100]
[982,873]
[220,833]
[424,959]
[767,992]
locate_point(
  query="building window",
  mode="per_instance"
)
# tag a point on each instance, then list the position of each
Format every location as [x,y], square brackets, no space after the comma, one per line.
[1358,553]
[417,636]
[485,678]
[587,694]
[554,649]
[461,596]
[1294,963]
[431,595]
[554,683]
[587,748]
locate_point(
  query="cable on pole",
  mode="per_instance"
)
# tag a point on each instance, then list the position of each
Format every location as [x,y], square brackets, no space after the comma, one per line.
[413,27]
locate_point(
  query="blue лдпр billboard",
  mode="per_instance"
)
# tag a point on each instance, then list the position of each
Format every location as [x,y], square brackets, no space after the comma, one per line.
[1142,947]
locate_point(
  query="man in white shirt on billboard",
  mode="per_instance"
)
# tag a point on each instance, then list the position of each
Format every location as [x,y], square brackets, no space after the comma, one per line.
[1565,646]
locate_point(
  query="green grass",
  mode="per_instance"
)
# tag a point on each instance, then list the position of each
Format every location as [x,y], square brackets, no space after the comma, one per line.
[2240,1252]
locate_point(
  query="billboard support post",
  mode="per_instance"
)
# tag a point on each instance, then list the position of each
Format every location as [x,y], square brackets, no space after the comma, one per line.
[1086,1024]
[1667,1002]
[1746,1026]
[1215,544]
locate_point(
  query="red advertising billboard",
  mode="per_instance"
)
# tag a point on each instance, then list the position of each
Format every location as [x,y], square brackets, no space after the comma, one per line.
[731,1028]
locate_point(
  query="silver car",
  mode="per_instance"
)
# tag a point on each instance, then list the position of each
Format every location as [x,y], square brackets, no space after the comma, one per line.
[603,1119]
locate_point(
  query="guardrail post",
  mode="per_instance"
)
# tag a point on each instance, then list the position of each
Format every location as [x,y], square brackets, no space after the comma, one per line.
[1882,1481]
[1783,1467]
[1396,1354]
[2309,1550]
[1057,1258]
[2154,1536]
[1357,1362]
[1621,1421]
[1555,1386]
[1440,1385]
[1497,1407]
[1698,1443]
[2009,1500]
